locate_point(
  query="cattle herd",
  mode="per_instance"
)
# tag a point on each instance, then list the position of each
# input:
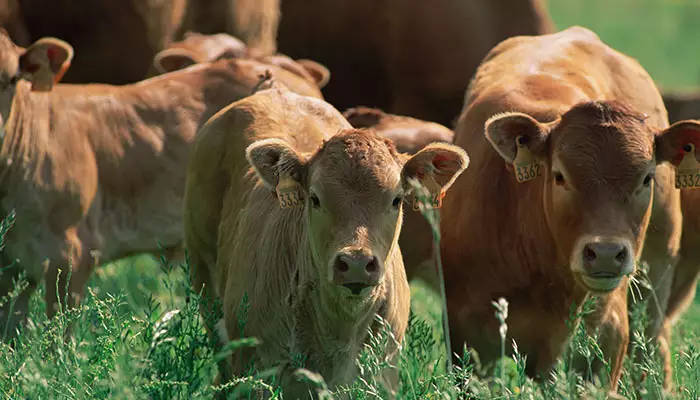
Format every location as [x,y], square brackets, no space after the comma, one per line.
[178,125]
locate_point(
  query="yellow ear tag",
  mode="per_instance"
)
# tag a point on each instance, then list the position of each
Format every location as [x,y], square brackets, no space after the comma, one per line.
[289,192]
[688,170]
[525,165]
[435,193]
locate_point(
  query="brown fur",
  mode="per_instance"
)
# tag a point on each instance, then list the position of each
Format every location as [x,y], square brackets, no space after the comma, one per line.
[410,135]
[579,103]
[114,41]
[197,48]
[254,21]
[407,57]
[99,167]
[285,265]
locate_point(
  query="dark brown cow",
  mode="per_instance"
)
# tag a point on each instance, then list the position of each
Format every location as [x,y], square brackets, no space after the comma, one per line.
[99,167]
[407,57]
[586,129]
[409,135]
[309,233]
[114,41]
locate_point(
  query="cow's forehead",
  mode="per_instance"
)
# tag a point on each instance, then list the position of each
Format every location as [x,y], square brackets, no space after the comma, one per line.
[357,160]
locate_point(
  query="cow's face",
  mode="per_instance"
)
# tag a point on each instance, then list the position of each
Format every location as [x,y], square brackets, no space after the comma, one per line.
[43,64]
[352,190]
[598,162]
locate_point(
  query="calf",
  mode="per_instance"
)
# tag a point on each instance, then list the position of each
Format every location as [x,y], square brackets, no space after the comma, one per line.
[98,167]
[409,135]
[305,221]
[584,135]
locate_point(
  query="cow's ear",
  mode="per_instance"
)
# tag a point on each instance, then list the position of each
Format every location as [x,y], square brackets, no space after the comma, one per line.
[174,59]
[674,142]
[318,72]
[273,159]
[511,132]
[435,167]
[44,62]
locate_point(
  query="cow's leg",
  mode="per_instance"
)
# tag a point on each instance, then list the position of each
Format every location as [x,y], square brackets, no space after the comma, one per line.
[15,300]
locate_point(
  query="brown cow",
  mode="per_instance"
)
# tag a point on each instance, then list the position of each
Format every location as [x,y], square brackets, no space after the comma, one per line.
[197,48]
[567,110]
[409,135]
[309,233]
[99,167]
[114,41]
[407,57]
[254,21]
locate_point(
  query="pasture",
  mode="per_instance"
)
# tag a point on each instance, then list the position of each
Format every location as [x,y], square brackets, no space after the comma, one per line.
[138,333]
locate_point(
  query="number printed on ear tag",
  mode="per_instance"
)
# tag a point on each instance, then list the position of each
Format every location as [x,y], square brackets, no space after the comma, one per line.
[688,170]
[525,165]
[289,193]
[435,194]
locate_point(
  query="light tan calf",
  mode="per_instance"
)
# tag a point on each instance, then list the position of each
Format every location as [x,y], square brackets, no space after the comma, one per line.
[99,167]
[309,233]
[409,135]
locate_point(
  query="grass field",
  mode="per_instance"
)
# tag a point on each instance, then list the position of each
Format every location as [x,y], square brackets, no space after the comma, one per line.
[138,333]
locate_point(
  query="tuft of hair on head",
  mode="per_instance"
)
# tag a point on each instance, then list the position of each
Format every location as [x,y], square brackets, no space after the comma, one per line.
[266,81]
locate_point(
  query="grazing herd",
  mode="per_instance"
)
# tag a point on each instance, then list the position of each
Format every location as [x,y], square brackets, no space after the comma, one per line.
[563,172]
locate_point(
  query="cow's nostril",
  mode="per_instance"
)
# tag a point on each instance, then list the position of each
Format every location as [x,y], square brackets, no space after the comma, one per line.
[341,265]
[588,254]
[621,257]
[371,266]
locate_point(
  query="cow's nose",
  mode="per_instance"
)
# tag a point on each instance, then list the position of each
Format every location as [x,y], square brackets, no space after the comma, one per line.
[356,270]
[606,259]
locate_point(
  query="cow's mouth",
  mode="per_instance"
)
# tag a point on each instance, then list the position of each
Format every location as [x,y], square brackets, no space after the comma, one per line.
[600,282]
[356,287]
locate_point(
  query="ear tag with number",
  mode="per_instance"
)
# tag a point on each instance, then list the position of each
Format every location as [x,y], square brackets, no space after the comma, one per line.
[525,165]
[435,193]
[688,170]
[289,192]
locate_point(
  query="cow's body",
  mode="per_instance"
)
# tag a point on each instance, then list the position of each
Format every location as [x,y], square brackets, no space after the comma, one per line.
[114,41]
[281,264]
[100,167]
[411,57]
[504,238]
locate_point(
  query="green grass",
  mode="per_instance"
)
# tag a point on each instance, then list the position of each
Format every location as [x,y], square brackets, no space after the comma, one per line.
[662,34]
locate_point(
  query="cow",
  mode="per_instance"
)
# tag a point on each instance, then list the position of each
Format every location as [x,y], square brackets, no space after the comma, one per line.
[197,48]
[410,57]
[287,204]
[114,41]
[584,136]
[409,135]
[99,167]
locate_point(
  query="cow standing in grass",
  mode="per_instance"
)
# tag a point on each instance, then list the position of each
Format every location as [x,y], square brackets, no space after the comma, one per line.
[304,222]
[570,143]
[99,167]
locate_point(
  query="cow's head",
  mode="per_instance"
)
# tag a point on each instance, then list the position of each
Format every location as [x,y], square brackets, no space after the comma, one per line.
[597,174]
[352,190]
[43,64]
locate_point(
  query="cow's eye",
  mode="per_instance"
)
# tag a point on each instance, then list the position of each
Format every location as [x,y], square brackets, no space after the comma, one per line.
[397,202]
[648,179]
[559,178]
[315,202]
